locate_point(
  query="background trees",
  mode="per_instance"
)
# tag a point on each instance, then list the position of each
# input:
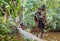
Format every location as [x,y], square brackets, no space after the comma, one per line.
[52,9]
[12,12]
[20,10]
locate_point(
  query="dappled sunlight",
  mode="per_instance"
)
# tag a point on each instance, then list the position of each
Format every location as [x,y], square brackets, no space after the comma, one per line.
[29,20]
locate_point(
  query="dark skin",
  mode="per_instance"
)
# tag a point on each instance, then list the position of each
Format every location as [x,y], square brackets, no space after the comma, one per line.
[44,20]
[40,29]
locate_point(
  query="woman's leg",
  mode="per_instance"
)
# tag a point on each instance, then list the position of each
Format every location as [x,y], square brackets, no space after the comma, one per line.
[41,33]
[38,32]
[42,29]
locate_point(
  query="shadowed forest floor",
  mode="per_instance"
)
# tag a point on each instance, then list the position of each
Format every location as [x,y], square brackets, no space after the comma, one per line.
[52,36]
[49,36]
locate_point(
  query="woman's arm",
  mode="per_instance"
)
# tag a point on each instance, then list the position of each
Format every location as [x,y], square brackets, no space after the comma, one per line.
[35,17]
[45,18]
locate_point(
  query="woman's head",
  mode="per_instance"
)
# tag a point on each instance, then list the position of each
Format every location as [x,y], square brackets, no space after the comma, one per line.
[43,7]
[39,10]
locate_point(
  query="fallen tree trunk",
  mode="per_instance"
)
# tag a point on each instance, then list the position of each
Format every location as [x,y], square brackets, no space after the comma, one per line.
[28,35]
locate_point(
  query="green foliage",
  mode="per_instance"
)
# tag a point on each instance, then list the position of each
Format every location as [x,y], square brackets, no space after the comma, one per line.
[52,9]
[26,9]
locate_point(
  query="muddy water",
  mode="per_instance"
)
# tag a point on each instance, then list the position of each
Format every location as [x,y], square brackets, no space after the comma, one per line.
[52,36]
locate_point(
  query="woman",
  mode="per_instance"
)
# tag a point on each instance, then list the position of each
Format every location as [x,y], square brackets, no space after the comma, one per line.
[40,18]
